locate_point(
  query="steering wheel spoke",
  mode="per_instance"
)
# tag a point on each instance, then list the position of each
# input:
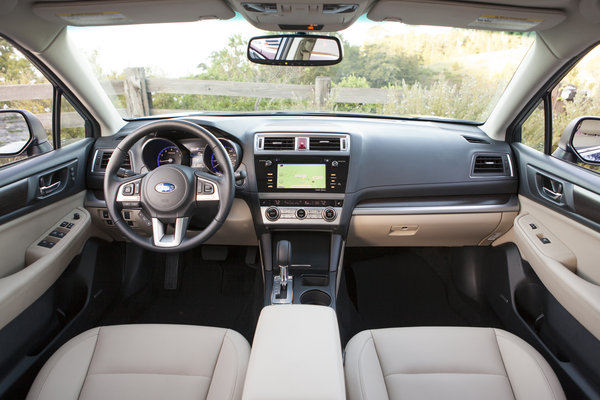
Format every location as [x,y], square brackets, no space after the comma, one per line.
[207,187]
[162,238]
[128,192]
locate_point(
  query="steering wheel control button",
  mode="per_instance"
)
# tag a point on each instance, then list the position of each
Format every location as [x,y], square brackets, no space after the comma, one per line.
[300,213]
[272,213]
[329,214]
[208,188]
[128,190]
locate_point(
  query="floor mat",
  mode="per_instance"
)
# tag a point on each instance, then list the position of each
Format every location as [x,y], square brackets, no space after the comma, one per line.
[397,288]
[223,294]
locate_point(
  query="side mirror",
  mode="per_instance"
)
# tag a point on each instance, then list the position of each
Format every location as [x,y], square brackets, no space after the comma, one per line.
[21,132]
[295,50]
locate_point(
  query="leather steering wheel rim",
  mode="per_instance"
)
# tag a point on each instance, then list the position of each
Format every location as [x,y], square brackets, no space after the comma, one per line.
[225,184]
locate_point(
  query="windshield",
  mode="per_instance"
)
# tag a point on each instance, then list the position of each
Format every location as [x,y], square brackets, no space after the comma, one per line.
[388,69]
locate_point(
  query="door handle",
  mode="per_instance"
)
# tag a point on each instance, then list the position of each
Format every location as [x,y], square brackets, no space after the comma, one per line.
[556,196]
[46,190]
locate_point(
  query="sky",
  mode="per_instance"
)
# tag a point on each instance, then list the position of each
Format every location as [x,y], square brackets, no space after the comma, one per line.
[175,50]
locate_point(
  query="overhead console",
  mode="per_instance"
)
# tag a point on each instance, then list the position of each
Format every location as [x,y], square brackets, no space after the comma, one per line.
[301,177]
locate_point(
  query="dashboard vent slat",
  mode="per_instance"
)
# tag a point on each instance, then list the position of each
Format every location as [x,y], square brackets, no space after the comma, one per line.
[279,143]
[325,143]
[488,165]
[105,157]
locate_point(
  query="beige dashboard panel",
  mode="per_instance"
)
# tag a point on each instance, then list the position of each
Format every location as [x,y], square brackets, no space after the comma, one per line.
[238,228]
[570,269]
[468,229]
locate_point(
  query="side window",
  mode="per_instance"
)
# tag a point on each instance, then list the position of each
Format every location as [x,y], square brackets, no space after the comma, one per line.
[72,124]
[576,95]
[533,129]
[24,87]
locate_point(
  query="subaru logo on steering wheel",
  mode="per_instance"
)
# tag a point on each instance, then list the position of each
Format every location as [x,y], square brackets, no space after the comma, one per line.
[164,187]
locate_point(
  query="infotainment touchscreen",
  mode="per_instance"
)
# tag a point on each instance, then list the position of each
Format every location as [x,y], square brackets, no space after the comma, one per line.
[301,176]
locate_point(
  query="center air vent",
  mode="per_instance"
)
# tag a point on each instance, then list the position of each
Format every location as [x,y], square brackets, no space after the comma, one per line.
[490,164]
[302,142]
[279,143]
[102,158]
[325,143]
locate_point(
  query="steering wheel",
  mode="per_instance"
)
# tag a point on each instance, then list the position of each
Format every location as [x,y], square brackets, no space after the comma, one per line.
[169,194]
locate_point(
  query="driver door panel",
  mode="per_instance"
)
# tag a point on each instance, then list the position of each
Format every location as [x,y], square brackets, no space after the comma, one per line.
[36,196]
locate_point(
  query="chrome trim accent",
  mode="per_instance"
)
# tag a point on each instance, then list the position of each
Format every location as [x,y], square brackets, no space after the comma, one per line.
[510,166]
[305,221]
[344,143]
[135,197]
[161,239]
[289,294]
[207,197]
[511,206]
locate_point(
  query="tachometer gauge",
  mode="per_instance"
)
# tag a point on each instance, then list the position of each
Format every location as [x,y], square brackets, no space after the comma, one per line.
[169,155]
[211,160]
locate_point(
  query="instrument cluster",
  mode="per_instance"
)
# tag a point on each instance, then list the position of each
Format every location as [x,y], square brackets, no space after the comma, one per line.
[193,152]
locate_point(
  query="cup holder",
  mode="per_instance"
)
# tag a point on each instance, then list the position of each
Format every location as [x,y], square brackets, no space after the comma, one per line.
[316,297]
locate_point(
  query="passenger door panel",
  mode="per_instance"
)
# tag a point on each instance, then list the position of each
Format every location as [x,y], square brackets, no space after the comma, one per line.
[557,231]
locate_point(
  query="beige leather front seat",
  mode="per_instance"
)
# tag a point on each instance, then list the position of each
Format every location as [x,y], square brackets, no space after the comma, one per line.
[146,362]
[446,363]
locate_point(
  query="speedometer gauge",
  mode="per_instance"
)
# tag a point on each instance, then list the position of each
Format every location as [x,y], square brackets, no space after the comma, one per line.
[169,155]
[211,160]
[160,151]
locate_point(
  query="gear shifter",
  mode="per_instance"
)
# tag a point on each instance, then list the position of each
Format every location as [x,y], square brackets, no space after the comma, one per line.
[283,284]
[284,256]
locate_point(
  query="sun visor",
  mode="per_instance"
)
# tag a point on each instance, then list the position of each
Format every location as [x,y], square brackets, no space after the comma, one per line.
[95,13]
[466,15]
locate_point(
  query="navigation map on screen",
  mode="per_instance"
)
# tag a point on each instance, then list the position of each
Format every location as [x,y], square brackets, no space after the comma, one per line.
[301,176]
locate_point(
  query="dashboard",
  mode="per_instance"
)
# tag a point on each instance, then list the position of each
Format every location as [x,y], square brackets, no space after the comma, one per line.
[372,181]
[193,152]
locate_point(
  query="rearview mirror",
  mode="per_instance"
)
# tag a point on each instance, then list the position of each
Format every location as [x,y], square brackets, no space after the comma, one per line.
[581,141]
[295,50]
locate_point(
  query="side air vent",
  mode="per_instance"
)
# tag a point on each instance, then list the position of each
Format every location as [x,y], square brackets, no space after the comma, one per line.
[490,164]
[472,139]
[279,143]
[325,143]
[102,158]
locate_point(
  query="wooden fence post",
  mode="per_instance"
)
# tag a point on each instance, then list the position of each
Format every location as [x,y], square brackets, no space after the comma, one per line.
[322,89]
[137,98]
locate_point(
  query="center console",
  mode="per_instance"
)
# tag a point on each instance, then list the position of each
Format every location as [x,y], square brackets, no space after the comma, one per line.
[301,180]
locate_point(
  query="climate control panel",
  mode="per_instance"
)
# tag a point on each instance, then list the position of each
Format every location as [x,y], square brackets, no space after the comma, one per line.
[295,211]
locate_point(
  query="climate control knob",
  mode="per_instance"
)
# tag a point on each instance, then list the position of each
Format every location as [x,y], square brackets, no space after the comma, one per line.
[272,213]
[301,213]
[329,214]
